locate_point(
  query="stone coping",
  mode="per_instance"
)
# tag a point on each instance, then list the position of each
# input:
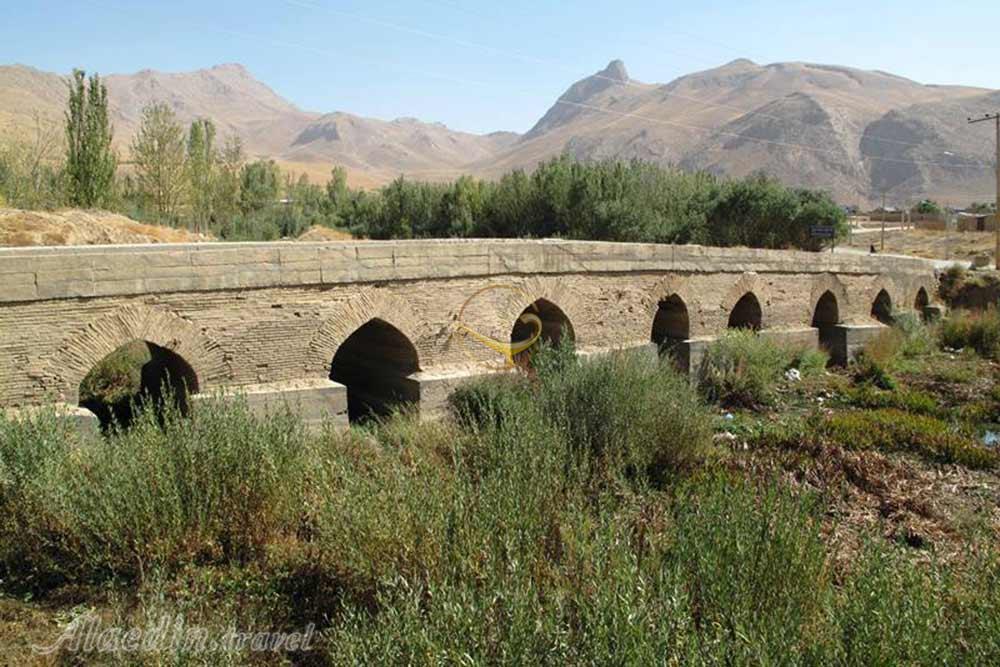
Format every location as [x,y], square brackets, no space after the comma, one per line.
[46,273]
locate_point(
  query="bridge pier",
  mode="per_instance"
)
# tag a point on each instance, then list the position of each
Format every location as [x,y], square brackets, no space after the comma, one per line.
[846,340]
[315,401]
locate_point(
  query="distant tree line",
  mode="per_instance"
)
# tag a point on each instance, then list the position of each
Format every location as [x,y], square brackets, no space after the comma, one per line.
[187,177]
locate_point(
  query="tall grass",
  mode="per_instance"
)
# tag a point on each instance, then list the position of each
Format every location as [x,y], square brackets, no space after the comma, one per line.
[560,519]
[979,331]
[744,369]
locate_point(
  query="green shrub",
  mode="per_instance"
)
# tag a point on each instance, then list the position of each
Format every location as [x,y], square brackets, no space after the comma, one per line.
[218,487]
[742,368]
[895,430]
[810,361]
[918,339]
[976,330]
[628,408]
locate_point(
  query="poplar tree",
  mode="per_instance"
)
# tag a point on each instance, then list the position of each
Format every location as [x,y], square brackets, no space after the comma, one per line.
[202,164]
[90,161]
[158,153]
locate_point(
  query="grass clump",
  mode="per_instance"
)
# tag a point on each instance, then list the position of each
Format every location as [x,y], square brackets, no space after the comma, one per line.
[895,430]
[979,331]
[218,487]
[744,369]
[868,395]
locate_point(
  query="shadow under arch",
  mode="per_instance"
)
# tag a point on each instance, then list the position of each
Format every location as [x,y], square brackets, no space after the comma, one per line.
[747,313]
[375,363]
[137,375]
[555,327]
[921,301]
[882,307]
[826,317]
[671,328]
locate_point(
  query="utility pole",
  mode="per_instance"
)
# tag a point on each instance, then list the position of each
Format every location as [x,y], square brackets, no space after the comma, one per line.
[882,246]
[996,216]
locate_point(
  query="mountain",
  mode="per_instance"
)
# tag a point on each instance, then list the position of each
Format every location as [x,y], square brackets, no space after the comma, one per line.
[820,126]
[374,151]
[855,133]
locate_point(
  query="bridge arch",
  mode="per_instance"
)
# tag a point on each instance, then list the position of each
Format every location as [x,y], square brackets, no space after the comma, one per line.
[354,313]
[921,300]
[82,350]
[745,302]
[747,313]
[882,307]
[375,363]
[826,317]
[823,283]
[550,293]
[556,326]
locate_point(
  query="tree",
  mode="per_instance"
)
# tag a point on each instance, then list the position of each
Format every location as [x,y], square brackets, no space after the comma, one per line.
[31,171]
[158,153]
[202,165]
[90,162]
[927,207]
[227,182]
[260,183]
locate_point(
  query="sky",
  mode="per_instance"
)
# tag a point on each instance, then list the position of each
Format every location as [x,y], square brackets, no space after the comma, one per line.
[487,66]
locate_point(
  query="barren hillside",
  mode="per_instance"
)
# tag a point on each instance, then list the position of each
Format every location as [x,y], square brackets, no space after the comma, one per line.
[856,133]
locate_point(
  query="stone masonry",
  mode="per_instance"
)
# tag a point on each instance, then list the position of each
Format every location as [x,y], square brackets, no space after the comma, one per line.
[266,319]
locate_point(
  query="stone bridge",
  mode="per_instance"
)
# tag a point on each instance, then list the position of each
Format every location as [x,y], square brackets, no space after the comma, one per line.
[341,329]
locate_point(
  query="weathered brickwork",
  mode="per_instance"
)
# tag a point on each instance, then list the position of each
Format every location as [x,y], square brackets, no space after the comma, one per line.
[246,315]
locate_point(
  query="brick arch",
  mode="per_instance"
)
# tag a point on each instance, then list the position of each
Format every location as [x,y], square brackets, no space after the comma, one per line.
[827,282]
[928,286]
[878,283]
[678,286]
[353,314]
[748,282]
[81,350]
[555,292]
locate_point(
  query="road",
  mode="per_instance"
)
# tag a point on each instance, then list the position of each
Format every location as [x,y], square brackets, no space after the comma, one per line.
[938,263]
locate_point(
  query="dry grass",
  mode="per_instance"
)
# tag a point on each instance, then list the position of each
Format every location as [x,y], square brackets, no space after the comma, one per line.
[927,243]
[319,233]
[78,227]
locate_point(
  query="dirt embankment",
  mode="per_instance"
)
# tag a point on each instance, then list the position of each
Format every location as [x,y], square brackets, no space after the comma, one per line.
[77,227]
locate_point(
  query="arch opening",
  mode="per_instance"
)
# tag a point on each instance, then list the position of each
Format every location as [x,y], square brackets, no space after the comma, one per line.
[137,376]
[746,314]
[671,327]
[921,302]
[826,317]
[882,308]
[375,363]
[555,327]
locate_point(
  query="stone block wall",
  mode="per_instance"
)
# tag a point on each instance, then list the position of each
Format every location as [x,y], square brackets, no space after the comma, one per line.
[253,315]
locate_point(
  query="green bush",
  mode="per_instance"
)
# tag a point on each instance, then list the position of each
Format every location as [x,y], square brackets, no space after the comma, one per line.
[218,487]
[918,339]
[742,368]
[975,330]
[629,408]
[809,361]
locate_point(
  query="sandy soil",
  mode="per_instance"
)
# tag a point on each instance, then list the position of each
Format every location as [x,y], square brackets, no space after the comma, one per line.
[927,243]
[77,227]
